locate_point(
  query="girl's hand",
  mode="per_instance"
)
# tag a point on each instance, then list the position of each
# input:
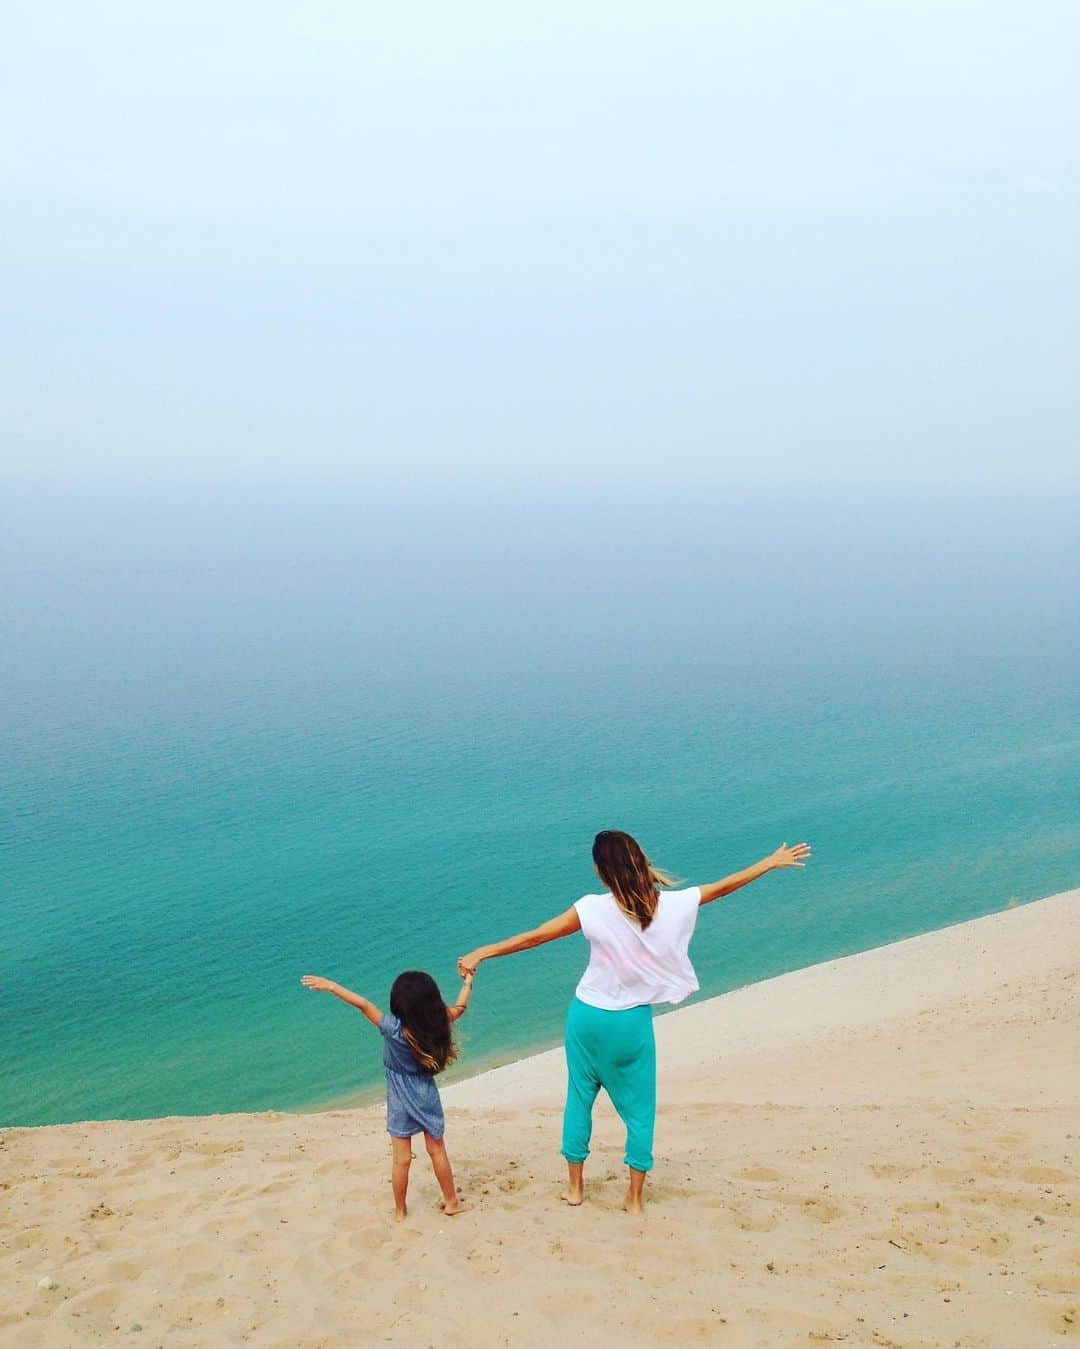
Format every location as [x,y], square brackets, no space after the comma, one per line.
[790,857]
[317,983]
[467,965]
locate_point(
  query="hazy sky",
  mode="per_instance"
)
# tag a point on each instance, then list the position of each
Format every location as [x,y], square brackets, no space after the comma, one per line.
[751,242]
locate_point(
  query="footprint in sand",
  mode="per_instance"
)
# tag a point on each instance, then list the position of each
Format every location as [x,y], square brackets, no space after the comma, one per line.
[985,1243]
[215,1149]
[929,1206]
[892,1171]
[814,1207]
[1057,1283]
[758,1173]
[1063,1320]
[1045,1175]
[746,1220]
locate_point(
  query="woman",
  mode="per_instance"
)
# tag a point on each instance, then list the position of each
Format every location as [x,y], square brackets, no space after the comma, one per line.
[638,940]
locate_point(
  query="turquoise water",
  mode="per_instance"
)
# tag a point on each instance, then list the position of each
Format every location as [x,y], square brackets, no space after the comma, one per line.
[251,736]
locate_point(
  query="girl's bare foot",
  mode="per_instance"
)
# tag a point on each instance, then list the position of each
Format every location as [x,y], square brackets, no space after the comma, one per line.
[452,1206]
[401,1214]
[573,1196]
[633,1203]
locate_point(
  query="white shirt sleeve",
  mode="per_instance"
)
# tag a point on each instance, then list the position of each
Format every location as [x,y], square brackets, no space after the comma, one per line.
[689,903]
[586,912]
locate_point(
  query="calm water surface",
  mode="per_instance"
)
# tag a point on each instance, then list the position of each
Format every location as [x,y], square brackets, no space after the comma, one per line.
[249,736]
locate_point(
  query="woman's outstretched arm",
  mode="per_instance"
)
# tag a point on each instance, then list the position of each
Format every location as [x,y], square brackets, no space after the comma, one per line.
[562,926]
[782,857]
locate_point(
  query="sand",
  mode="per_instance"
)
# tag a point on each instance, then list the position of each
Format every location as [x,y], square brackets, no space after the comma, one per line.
[881,1150]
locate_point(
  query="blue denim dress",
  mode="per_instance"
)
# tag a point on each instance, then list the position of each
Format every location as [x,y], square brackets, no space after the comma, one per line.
[412,1098]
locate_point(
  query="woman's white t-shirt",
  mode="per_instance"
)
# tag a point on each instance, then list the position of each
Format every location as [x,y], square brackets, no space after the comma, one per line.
[628,966]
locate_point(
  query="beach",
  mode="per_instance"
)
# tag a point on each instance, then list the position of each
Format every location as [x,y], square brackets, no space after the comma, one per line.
[878,1150]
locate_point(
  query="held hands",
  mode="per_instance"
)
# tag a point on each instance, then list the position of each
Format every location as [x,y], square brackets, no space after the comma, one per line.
[796,856]
[317,983]
[466,966]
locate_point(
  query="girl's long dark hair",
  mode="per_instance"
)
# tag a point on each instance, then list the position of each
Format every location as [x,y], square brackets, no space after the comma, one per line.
[417,1003]
[629,874]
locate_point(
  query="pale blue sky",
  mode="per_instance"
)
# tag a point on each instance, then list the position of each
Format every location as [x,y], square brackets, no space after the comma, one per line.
[744,242]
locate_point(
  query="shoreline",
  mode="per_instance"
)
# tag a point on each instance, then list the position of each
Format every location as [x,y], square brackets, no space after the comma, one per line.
[510,1069]
[369,1097]
[902,959]
[880,1149]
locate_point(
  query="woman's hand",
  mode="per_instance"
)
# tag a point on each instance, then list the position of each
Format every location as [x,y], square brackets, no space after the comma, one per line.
[467,965]
[790,857]
[317,983]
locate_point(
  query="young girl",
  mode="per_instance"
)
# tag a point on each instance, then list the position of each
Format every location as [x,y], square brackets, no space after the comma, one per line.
[417,1044]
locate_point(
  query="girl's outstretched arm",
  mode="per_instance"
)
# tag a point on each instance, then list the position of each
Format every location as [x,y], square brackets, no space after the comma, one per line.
[782,857]
[364,1005]
[458,1008]
[562,926]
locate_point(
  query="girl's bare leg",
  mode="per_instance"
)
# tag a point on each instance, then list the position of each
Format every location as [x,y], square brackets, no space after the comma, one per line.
[402,1155]
[633,1194]
[575,1183]
[440,1164]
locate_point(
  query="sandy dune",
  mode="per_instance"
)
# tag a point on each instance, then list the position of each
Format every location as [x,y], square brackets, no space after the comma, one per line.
[878,1151]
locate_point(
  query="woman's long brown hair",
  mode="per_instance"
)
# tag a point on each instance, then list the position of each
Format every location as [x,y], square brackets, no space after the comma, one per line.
[629,874]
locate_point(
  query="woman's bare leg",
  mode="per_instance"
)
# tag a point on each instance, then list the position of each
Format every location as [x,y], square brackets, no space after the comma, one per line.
[633,1194]
[575,1183]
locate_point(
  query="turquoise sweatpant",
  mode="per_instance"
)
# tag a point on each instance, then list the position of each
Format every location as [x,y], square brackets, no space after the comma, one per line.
[616,1051]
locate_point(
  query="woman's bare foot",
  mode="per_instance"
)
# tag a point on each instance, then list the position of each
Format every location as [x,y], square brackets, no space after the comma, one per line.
[452,1206]
[401,1214]
[633,1203]
[575,1184]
